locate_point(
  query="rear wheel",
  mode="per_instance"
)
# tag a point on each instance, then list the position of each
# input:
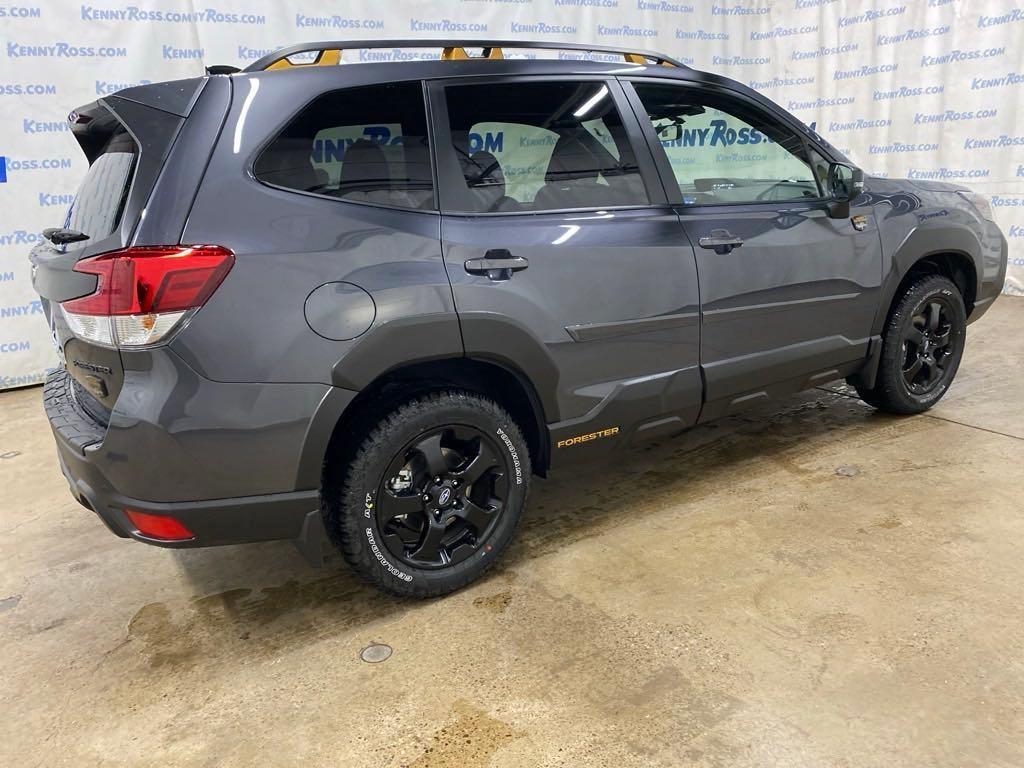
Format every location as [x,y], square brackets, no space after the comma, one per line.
[432,496]
[921,347]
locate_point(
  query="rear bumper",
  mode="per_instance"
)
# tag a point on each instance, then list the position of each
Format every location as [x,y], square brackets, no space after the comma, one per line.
[189,459]
[219,521]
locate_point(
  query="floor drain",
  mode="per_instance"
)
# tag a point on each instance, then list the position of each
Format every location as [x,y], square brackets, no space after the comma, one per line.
[375,653]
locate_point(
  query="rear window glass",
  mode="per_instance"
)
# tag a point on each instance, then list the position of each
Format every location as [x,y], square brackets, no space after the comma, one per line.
[365,145]
[100,199]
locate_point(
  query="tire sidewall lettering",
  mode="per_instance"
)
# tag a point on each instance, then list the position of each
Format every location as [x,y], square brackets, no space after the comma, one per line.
[368,505]
[510,446]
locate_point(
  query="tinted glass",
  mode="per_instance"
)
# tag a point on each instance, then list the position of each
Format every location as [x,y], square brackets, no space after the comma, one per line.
[100,199]
[541,146]
[724,151]
[366,145]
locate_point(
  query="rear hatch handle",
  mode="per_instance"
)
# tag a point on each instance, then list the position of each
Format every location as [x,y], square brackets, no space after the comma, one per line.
[61,236]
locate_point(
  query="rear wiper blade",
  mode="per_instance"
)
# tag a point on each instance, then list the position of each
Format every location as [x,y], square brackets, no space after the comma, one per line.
[59,236]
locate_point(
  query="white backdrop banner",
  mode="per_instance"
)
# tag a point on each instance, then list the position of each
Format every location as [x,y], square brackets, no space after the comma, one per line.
[925,89]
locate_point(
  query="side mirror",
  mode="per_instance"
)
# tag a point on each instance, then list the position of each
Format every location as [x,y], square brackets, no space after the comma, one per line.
[845,183]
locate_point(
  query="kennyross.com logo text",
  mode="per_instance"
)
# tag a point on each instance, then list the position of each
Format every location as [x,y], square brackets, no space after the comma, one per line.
[105,88]
[20,12]
[1015,14]
[735,9]
[1000,81]
[906,92]
[173,52]
[625,30]
[962,55]
[824,52]
[953,115]
[18,165]
[942,174]
[28,125]
[661,6]
[16,50]
[446,25]
[135,13]
[740,61]
[336,22]
[1002,201]
[28,89]
[20,310]
[24,380]
[912,34]
[20,237]
[994,142]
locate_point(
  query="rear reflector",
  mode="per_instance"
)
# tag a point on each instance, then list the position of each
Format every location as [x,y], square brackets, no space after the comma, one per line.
[142,294]
[159,526]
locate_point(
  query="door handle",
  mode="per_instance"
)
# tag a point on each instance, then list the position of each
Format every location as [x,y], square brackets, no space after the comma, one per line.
[721,241]
[497,264]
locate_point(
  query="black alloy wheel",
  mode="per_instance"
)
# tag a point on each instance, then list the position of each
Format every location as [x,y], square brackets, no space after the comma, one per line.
[441,496]
[926,346]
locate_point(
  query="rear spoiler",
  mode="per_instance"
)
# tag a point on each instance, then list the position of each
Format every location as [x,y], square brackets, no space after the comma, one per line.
[92,123]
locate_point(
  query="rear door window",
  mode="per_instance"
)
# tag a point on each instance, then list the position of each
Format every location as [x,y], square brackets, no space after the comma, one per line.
[99,202]
[364,145]
[535,146]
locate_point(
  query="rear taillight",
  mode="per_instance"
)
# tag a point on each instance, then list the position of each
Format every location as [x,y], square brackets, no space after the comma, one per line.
[142,294]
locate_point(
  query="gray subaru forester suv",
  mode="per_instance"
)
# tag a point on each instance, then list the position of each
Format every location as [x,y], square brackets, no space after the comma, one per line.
[360,306]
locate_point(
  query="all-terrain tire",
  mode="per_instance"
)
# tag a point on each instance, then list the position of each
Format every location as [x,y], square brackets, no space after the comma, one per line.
[350,502]
[892,391]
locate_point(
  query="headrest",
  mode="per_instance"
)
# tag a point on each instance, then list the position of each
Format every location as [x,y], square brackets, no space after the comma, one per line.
[290,166]
[572,159]
[364,167]
[482,169]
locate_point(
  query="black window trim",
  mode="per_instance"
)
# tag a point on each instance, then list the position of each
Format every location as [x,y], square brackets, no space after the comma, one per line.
[668,177]
[250,166]
[440,133]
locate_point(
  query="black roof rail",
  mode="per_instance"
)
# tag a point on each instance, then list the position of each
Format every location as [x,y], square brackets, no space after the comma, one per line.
[329,52]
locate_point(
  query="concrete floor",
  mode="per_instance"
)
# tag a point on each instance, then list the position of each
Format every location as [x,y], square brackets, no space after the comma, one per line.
[812,585]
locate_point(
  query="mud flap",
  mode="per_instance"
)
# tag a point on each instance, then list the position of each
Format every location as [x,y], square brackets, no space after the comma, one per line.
[312,541]
[865,377]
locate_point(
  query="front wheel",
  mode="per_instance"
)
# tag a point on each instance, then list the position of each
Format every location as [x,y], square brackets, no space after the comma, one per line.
[432,496]
[921,347]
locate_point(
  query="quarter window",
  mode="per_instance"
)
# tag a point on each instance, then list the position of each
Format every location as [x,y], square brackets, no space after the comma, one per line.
[724,151]
[366,145]
[540,146]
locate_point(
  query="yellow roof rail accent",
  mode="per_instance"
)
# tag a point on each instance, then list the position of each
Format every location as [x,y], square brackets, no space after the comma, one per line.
[457,53]
[330,57]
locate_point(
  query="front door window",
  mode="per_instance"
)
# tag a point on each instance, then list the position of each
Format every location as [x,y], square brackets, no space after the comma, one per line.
[724,151]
